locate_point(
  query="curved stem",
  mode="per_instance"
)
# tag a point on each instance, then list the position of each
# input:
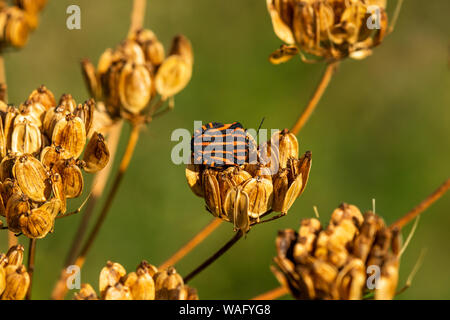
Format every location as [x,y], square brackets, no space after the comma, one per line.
[98,185]
[188,247]
[272,294]
[214,257]
[400,223]
[60,289]
[323,84]
[31,260]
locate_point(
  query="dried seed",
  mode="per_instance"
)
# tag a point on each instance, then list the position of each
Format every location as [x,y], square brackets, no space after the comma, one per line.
[51,155]
[86,293]
[194,179]
[96,155]
[59,191]
[236,207]
[32,178]
[144,286]
[51,118]
[118,292]
[17,283]
[72,177]
[43,96]
[37,223]
[135,87]
[15,255]
[6,167]
[68,103]
[86,113]
[110,276]
[173,76]
[90,78]
[26,139]
[154,52]
[212,192]
[260,195]
[182,47]
[70,134]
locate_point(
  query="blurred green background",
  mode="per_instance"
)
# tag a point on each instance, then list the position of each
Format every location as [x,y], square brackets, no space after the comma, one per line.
[381,131]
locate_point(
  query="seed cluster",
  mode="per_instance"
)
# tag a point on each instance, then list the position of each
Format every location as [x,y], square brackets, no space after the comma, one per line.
[335,262]
[16,22]
[129,77]
[40,147]
[14,278]
[243,194]
[330,29]
[147,283]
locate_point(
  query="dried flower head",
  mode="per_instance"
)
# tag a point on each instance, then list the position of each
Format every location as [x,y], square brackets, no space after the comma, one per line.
[330,29]
[146,283]
[129,78]
[40,146]
[14,278]
[340,261]
[243,194]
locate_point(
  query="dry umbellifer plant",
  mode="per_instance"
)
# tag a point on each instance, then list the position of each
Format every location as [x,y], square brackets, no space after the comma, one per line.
[41,143]
[147,283]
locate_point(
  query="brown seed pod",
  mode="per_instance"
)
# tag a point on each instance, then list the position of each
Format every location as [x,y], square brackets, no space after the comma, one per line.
[26,139]
[16,29]
[91,78]
[154,52]
[211,192]
[147,267]
[194,179]
[110,276]
[173,76]
[236,207]
[72,177]
[110,87]
[118,292]
[86,113]
[9,125]
[59,191]
[287,146]
[52,116]
[135,87]
[37,223]
[131,51]
[6,167]
[168,284]
[68,103]
[144,286]
[43,96]
[32,112]
[32,178]
[51,155]
[86,293]
[96,155]
[17,283]
[182,47]
[15,255]
[104,62]
[260,195]
[70,134]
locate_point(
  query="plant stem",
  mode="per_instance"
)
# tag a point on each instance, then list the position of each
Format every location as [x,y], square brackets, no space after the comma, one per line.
[400,223]
[98,185]
[188,247]
[31,261]
[272,294]
[137,15]
[312,104]
[214,257]
[60,289]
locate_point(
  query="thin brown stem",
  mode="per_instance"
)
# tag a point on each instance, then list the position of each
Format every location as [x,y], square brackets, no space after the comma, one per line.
[400,223]
[31,262]
[60,289]
[188,247]
[98,185]
[312,104]
[137,15]
[272,294]
[214,257]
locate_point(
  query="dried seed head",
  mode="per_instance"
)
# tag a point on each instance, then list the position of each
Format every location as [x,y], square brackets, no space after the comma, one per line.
[16,28]
[26,138]
[86,293]
[15,255]
[110,276]
[135,87]
[194,179]
[96,155]
[72,177]
[17,283]
[32,178]
[118,292]
[173,76]
[70,134]
[43,96]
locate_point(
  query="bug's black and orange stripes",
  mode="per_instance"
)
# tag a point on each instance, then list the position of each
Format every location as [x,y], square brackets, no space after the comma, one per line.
[216,144]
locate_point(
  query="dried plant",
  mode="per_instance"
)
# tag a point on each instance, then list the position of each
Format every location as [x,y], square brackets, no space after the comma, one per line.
[147,283]
[41,143]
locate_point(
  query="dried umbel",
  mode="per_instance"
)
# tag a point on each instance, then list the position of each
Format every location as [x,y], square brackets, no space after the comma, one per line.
[343,260]
[40,146]
[244,194]
[16,22]
[14,278]
[129,78]
[146,283]
[328,29]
